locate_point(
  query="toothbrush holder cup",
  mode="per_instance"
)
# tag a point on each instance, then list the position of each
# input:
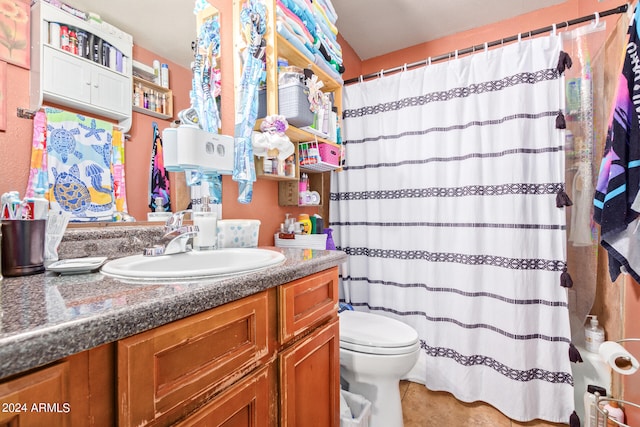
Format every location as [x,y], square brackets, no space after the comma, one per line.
[23,247]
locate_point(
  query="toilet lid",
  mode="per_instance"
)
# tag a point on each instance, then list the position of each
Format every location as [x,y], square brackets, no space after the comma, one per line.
[373,330]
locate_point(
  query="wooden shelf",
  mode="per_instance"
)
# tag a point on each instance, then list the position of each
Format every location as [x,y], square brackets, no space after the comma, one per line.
[150,86]
[151,113]
[293,55]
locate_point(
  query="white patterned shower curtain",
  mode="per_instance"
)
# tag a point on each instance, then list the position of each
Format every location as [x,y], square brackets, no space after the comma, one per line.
[447,210]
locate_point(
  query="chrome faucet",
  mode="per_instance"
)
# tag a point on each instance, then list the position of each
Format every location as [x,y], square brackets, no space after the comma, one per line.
[175,236]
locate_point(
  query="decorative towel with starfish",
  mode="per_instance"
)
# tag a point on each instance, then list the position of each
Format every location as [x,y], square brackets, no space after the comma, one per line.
[79,158]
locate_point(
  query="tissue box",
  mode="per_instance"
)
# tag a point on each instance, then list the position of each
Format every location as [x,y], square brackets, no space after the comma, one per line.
[238,233]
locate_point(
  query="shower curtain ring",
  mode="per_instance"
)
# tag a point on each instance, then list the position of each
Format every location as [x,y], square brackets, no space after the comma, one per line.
[519,37]
[486,46]
[597,17]
[405,67]
[429,61]
[456,57]
[381,73]
[553,31]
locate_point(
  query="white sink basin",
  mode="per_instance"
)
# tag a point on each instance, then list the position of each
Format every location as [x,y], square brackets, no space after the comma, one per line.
[192,265]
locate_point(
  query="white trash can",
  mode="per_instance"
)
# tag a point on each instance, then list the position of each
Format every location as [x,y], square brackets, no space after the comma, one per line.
[360,410]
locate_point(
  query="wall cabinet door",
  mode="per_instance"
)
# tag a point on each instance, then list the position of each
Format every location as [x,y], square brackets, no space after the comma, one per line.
[66,75]
[68,78]
[110,90]
[310,380]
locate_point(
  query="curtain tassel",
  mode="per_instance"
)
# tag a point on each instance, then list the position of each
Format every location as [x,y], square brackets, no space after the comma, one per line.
[564,62]
[562,199]
[561,123]
[574,354]
[565,279]
[574,420]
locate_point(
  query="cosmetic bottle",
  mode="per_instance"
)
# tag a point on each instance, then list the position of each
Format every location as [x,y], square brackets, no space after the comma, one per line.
[593,335]
[164,75]
[614,412]
[590,411]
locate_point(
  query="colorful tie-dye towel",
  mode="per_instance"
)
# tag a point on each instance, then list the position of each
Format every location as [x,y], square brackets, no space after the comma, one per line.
[79,157]
[38,179]
[119,188]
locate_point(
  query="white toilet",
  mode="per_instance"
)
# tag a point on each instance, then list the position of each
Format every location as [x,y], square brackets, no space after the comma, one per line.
[375,352]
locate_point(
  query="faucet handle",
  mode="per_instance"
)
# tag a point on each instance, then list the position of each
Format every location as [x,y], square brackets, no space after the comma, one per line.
[175,221]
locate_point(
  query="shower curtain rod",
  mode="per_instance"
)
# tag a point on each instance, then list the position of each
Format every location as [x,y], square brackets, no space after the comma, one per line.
[620,9]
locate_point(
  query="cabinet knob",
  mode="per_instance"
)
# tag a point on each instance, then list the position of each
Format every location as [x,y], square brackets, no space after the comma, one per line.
[95,85]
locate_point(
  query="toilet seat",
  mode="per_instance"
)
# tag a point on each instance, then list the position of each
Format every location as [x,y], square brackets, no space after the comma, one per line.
[376,334]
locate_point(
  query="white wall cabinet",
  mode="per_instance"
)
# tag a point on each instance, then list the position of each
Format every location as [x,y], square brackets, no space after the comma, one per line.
[67,79]
[92,85]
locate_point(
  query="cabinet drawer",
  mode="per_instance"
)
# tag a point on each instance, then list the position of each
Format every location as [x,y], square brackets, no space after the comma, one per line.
[165,373]
[306,302]
[37,399]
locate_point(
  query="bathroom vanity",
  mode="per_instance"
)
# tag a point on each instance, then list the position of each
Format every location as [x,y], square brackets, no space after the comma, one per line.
[254,349]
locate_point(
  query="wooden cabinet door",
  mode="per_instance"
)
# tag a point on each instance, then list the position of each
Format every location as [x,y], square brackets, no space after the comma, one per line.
[168,372]
[307,302]
[310,380]
[37,399]
[245,404]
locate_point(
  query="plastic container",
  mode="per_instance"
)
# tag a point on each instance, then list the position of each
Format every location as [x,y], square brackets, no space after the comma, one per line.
[329,153]
[238,233]
[360,410]
[293,104]
[593,335]
[302,241]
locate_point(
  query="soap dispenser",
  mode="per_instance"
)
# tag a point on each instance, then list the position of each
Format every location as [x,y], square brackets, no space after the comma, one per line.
[593,335]
[159,214]
[207,222]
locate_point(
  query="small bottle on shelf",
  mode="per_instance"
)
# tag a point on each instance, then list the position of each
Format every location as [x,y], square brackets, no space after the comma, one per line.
[152,101]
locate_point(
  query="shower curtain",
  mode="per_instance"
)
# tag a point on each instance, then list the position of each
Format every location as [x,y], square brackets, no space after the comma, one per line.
[447,210]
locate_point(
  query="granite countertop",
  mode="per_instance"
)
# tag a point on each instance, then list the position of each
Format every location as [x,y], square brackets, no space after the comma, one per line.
[47,316]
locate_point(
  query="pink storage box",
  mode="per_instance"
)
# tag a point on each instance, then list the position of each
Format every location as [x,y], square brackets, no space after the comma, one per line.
[329,153]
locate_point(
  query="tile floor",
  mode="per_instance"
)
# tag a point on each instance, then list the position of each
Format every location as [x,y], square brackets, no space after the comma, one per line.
[424,408]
